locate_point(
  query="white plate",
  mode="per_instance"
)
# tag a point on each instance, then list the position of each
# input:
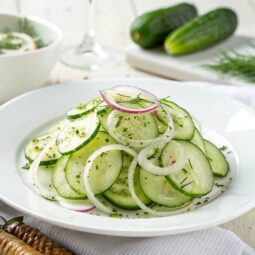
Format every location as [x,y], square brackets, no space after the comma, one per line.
[25,116]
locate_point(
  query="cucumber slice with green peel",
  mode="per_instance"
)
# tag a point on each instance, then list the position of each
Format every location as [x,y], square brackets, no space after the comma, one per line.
[184,127]
[160,191]
[132,126]
[119,194]
[77,133]
[35,147]
[82,109]
[196,178]
[105,170]
[59,181]
[199,141]
[137,126]
[44,183]
[162,127]
[219,164]
[102,115]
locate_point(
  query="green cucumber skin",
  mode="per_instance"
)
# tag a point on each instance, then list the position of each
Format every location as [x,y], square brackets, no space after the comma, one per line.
[208,143]
[150,29]
[177,187]
[176,107]
[111,196]
[42,163]
[76,116]
[202,32]
[85,143]
[89,150]
[75,197]
[157,202]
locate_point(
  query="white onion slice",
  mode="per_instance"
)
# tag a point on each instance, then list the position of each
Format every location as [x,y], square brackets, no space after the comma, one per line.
[76,205]
[124,93]
[34,168]
[92,198]
[131,172]
[173,168]
[29,44]
[165,137]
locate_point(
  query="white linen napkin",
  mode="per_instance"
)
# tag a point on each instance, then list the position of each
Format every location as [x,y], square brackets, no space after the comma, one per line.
[213,241]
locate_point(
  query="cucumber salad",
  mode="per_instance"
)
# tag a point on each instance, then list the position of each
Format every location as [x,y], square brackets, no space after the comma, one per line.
[24,39]
[127,150]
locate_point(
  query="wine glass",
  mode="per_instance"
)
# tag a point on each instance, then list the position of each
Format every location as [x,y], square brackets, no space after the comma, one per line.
[90,55]
[18,6]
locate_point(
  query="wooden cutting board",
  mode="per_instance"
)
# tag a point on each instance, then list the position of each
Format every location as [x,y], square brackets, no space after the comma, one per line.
[189,67]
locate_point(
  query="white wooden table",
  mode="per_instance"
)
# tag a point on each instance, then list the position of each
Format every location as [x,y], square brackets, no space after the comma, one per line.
[113,18]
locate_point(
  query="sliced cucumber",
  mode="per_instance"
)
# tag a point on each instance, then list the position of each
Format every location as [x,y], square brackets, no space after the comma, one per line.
[199,141]
[77,133]
[59,181]
[102,115]
[219,164]
[196,178]
[105,170]
[82,109]
[137,127]
[161,125]
[44,183]
[132,126]
[34,148]
[184,127]
[160,191]
[119,194]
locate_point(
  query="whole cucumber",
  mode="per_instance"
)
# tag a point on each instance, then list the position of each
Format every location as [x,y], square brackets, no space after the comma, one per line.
[202,32]
[150,29]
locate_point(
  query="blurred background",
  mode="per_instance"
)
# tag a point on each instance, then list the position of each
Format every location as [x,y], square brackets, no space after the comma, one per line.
[113,17]
[112,24]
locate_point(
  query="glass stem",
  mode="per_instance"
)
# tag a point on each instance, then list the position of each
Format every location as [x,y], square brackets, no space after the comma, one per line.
[90,20]
[18,6]
[88,43]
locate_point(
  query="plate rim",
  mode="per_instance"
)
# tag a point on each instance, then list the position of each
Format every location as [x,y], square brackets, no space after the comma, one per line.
[122,232]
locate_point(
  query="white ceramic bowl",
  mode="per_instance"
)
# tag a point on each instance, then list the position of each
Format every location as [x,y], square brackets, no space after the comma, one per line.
[24,71]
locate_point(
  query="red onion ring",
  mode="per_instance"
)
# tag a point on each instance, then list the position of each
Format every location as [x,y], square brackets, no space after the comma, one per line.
[86,210]
[109,99]
[76,205]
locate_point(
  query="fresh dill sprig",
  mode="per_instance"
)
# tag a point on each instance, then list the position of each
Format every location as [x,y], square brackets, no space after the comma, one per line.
[236,65]
[26,28]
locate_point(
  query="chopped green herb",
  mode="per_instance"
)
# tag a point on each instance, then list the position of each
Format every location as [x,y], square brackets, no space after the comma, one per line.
[209,158]
[26,166]
[119,121]
[123,95]
[116,215]
[26,28]
[190,164]
[186,184]
[184,170]
[219,185]
[223,148]
[183,180]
